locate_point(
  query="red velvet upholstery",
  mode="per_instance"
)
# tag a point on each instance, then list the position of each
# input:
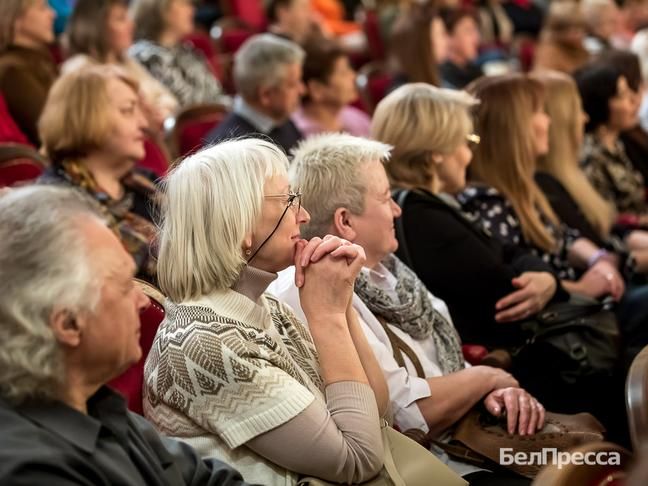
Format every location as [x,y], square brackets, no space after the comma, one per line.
[9,131]
[250,11]
[371,26]
[130,382]
[193,124]
[474,353]
[203,43]
[155,158]
[373,82]
[19,164]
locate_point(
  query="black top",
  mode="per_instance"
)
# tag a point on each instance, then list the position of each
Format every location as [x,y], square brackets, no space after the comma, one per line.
[285,136]
[462,264]
[565,207]
[635,142]
[53,444]
[458,77]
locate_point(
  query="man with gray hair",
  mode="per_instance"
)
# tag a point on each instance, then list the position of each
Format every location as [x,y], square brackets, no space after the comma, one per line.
[69,323]
[267,75]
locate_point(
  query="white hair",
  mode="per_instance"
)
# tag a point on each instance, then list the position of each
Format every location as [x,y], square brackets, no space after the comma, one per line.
[327,169]
[262,61]
[45,265]
[213,199]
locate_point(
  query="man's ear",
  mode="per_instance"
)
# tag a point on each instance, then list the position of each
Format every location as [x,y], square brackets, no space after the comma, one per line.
[263,95]
[343,224]
[67,328]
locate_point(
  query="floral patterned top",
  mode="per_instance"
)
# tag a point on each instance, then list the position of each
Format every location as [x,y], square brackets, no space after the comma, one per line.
[613,175]
[486,204]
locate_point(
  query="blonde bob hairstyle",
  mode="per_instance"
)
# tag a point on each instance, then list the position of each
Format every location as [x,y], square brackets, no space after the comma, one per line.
[419,121]
[10,11]
[328,169]
[213,200]
[505,158]
[564,107]
[76,117]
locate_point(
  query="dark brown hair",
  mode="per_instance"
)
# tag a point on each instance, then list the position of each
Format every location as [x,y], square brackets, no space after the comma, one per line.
[411,44]
[87,29]
[319,63]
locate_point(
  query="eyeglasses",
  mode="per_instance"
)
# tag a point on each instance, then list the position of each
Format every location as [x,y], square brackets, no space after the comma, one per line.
[290,198]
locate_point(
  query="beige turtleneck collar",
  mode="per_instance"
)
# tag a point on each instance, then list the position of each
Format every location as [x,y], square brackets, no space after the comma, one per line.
[253,282]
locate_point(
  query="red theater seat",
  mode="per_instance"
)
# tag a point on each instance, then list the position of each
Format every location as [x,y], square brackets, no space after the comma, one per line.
[131,381]
[19,164]
[193,124]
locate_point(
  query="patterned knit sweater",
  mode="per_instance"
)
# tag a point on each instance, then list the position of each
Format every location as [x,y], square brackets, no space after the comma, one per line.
[216,379]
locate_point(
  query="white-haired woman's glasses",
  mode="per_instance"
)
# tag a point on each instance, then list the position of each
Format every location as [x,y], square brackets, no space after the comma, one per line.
[293,200]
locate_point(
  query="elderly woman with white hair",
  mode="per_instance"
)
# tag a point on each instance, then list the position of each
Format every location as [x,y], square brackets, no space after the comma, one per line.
[232,371]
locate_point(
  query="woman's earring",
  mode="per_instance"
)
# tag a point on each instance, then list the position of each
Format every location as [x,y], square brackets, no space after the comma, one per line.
[248,252]
[437,158]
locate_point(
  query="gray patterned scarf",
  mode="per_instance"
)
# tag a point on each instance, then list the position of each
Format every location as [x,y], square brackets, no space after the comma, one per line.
[413,312]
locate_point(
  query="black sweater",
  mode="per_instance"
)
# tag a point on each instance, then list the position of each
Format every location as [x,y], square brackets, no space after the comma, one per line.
[461,264]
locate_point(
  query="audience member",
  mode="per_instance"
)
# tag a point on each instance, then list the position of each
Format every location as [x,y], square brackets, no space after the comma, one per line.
[570,193]
[611,108]
[100,32]
[602,21]
[526,17]
[232,370]
[27,69]
[291,19]
[635,139]
[267,75]
[417,44]
[434,388]
[507,199]
[160,27]
[93,132]
[460,68]
[484,282]
[494,25]
[330,86]
[63,9]
[70,324]
[561,45]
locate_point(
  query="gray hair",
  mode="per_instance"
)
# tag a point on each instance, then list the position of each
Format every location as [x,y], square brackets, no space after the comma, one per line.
[261,61]
[44,265]
[327,169]
[213,199]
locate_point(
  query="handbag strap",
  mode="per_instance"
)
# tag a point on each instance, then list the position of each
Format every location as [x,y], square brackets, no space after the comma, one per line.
[400,348]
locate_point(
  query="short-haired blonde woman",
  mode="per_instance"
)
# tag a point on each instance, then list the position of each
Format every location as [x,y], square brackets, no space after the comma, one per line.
[93,132]
[27,69]
[232,371]
[433,388]
[160,28]
[100,32]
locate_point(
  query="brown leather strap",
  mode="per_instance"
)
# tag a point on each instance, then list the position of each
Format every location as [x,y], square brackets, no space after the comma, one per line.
[400,347]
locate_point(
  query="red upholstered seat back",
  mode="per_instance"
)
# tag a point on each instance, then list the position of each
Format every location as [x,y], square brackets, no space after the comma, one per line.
[9,131]
[193,124]
[19,164]
[155,159]
[250,11]
[131,381]
[373,82]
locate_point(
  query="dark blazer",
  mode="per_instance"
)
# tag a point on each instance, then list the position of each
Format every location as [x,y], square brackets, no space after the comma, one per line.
[285,136]
[55,445]
[461,264]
